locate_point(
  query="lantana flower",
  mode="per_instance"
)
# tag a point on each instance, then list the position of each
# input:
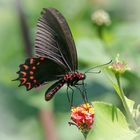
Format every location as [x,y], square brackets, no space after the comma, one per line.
[83,117]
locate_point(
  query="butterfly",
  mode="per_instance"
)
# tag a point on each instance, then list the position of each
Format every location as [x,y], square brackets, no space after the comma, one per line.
[55,56]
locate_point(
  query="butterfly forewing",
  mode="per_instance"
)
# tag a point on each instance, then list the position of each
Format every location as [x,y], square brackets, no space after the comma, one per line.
[54,39]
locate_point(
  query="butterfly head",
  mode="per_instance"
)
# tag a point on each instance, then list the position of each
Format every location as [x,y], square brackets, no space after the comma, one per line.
[81,76]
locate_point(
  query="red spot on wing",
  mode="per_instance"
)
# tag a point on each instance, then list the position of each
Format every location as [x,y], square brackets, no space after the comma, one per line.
[31,61]
[28,86]
[25,67]
[31,72]
[28,73]
[23,73]
[33,67]
[23,80]
[31,77]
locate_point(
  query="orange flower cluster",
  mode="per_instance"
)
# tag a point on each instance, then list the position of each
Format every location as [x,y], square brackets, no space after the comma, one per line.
[83,116]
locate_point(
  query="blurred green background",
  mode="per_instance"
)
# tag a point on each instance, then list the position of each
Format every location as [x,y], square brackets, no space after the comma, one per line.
[21,111]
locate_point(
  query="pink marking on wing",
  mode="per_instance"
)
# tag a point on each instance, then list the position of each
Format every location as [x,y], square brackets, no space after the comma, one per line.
[26,67]
[31,72]
[23,73]
[31,61]
[23,80]
[28,85]
[33,67]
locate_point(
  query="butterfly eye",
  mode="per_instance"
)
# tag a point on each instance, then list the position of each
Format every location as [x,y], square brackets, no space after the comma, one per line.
[83,76]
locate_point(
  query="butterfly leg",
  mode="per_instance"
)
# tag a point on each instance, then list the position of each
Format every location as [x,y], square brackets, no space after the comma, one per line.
[70,99]
[68,95]
[85,90]
[82,93]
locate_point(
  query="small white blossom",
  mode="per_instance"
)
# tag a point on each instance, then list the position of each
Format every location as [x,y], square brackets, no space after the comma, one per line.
[100,17]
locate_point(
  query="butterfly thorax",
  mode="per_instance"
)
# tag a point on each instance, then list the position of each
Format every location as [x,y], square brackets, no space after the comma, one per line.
[72,78]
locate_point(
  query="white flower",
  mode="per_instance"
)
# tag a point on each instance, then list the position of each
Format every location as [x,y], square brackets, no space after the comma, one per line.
[100,17]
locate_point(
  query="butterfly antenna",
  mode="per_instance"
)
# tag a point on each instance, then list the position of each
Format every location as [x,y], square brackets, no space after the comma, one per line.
[97,67]
[94,72]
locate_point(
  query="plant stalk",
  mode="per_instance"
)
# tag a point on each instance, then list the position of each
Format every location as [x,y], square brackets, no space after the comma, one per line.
[122,96]
[85,135]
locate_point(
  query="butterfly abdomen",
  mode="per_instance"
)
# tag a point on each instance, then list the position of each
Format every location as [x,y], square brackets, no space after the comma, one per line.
[69,78]
[53,89]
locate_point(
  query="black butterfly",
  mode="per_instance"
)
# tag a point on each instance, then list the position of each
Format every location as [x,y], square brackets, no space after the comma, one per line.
[55,56]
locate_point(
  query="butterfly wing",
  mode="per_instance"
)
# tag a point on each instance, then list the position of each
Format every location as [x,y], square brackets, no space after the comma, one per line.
[54,39]
[36,71]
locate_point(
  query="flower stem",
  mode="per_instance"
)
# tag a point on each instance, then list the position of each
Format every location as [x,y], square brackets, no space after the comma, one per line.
[122,96]
[100,31]
[85,135]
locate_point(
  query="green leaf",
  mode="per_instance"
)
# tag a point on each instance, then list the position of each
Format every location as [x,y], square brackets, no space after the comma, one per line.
[91,50]
[136,116]
[115,86]
[137,137]
[130,104]
[109,124]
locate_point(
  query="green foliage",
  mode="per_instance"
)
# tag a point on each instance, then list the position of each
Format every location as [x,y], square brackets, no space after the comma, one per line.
[110,124]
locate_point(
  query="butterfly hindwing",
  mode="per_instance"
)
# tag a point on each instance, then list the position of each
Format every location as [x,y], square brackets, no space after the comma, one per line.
[36,71]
